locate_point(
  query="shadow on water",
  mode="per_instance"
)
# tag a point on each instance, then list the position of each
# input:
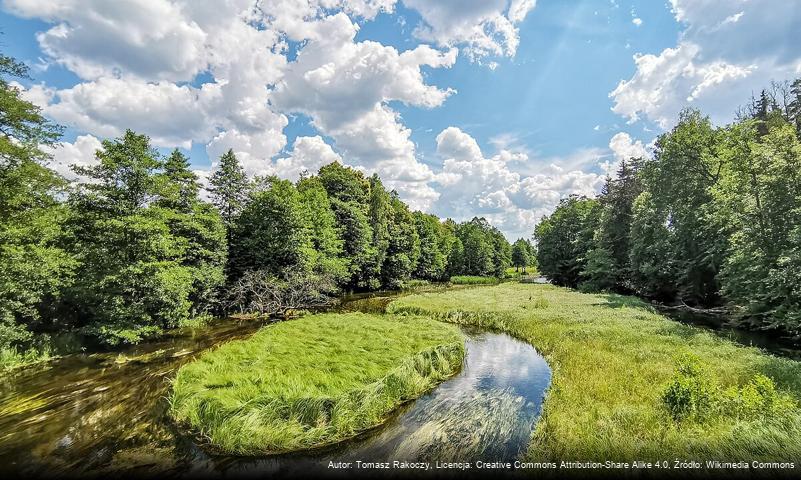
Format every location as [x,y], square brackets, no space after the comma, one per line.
[100,413]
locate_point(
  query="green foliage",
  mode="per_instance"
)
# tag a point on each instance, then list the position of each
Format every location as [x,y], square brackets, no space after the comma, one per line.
[330,378]
[24,129]
[272,233]
[564,239]
[652,268]
[348,192]
[436,240]
[228,186]
[686,165]
[329,256]
[608,262]
[691,393]
[759,194]
[481,250]
[150,256]
[523,254]
[33,266]
[403,248]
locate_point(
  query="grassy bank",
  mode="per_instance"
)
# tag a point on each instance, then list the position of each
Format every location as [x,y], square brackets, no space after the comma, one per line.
[631,384]
[312,381]
[473,280]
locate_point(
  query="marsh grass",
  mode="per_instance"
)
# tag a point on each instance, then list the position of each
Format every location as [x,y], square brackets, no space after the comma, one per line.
[473,280]
[613,360]
[313,381]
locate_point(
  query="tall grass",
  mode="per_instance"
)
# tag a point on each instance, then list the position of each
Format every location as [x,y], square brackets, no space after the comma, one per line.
[614,362]
[312,381]
[473,280]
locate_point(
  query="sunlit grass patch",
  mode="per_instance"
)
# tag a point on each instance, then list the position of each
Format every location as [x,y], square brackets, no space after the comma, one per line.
[312,381]
[614,361]
[473,280]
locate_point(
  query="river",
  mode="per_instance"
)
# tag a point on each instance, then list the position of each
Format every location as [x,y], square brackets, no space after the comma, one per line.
[98,413]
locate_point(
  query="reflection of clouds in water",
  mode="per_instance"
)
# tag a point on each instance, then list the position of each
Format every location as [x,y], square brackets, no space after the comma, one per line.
[485,412]
[480,426]
[498,361]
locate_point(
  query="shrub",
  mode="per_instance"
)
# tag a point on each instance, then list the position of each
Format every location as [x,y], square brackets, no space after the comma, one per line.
[757,399]
[691,392]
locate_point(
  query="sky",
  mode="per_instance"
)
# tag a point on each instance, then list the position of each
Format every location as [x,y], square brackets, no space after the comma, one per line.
[493,108]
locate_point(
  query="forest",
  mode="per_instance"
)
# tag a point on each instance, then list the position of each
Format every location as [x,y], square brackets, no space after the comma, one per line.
[132,250]
[712,221]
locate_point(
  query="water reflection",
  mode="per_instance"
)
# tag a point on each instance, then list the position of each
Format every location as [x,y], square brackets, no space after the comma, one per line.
[486,412]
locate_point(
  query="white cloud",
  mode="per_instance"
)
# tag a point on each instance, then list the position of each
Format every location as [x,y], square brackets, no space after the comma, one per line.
[308,154]
[510,189]
[636,21]
[624,148]
[483,27]
[79,153]
[726,51]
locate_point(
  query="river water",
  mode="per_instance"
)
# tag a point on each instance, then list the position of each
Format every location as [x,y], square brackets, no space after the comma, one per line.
[101,413]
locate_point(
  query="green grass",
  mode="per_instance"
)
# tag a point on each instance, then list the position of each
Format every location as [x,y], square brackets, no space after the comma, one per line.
[473,280]
[511,273]
[616,377]
[313,381]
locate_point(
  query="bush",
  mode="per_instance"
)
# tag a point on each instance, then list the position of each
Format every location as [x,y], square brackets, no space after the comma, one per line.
[691,392]
[757,399]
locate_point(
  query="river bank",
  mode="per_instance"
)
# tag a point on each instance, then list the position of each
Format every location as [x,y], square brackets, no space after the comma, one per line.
[613,359]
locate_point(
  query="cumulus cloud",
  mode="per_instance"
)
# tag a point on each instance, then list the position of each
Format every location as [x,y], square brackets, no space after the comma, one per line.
[220,74]
[510,189]
[484,27]
[308,155]
[715,64]
[80,153]
[624,147]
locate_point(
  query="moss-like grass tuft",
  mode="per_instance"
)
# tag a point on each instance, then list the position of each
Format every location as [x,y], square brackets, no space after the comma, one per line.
[313,381]
[615,365]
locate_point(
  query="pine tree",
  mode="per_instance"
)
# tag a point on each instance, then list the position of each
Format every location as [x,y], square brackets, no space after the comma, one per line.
[228,186]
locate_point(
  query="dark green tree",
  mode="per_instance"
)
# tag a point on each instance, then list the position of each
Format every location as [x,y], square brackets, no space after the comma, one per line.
[272,233]
[564,239]
[143,266]
[403,249]
[521,254]
[33,267]
[608,265]
[228,187]
[329,256]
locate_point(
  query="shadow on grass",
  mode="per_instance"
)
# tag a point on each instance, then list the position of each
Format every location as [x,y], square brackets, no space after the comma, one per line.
[614,300]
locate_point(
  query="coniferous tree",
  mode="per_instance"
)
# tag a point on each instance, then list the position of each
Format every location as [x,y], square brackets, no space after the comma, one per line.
[228,186]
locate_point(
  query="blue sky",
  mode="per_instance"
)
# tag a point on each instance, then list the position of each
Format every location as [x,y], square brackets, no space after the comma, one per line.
[473,107]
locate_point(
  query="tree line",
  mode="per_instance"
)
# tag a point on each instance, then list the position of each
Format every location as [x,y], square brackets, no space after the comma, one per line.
[713,219]
[131,249]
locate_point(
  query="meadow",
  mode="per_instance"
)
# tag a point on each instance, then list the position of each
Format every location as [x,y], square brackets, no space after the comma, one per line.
[312,381]
[629,383]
